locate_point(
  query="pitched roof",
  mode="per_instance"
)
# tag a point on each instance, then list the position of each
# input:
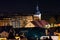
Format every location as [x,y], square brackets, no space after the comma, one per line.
[41,23]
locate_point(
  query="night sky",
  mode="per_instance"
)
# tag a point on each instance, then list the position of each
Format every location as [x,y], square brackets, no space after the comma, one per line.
[28,6]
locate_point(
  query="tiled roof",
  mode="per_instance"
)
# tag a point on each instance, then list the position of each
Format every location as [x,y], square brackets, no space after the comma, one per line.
[35,23]
[40,23]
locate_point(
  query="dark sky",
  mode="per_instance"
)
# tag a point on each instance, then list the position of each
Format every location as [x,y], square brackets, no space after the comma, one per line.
[46,7]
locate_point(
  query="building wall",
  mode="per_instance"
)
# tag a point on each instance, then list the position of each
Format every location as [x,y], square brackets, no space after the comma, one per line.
[25,20]
[5,22]
[29,25]
[17,21]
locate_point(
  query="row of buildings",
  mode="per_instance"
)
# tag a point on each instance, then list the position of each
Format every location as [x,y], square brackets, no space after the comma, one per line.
[34,20]
[21,21]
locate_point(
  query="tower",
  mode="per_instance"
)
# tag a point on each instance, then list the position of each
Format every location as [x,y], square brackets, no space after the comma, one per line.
[37,14]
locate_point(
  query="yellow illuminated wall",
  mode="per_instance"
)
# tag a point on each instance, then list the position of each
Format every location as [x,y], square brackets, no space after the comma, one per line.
[29,25]
[5,22]
[23,20]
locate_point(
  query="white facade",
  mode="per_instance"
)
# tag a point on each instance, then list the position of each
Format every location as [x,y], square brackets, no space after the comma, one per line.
[38,14]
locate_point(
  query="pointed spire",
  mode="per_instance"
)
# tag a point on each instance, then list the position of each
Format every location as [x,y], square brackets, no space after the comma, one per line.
[37,8]
[37,13]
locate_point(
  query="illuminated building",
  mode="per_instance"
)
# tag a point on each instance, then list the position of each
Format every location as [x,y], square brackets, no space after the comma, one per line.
[25,20]
[16,21]
[4,34]
[21,21]
[30,24]
[5,22]
[37,15]
[37,23]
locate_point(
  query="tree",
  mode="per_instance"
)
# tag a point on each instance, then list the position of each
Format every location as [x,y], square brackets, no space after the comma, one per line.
[58,19]
[52,20]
